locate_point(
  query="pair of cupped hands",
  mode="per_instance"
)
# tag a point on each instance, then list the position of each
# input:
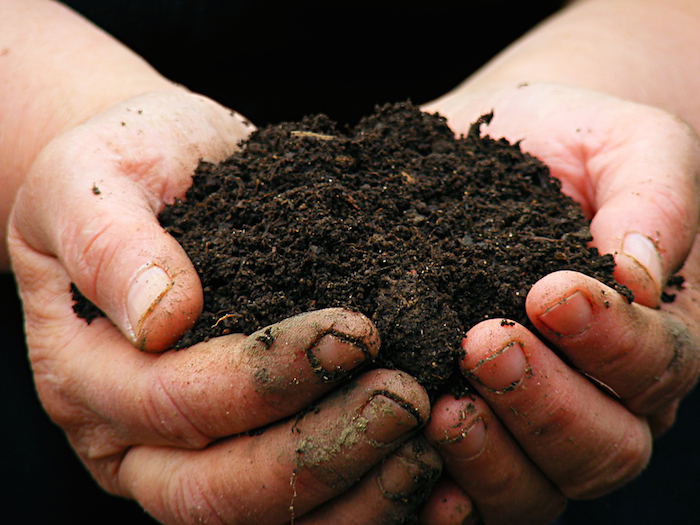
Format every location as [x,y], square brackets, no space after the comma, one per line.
[222,432]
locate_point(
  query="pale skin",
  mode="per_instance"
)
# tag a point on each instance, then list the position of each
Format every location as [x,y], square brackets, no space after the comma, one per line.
[144,420]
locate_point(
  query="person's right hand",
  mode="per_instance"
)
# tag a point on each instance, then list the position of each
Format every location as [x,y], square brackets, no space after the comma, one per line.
[580,422]
[221,432]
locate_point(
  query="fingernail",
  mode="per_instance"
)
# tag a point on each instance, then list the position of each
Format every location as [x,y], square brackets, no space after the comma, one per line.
[396,477]
[149,287]
[387,420]
[336,355]
[412,467]
[465,442]
[503,370]
[570,316]
[643,251]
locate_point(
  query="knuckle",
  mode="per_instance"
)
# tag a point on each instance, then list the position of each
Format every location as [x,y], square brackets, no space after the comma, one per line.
[62,395]
[168,415]
[685,361]
[678,375]
[189,499]
[91,247]
[615,359]
[621,462]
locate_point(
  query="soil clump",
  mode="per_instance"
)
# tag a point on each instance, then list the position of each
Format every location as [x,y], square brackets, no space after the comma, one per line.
[425,233]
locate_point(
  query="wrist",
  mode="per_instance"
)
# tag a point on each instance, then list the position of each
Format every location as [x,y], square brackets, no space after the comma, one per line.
[63,71]
[637,50]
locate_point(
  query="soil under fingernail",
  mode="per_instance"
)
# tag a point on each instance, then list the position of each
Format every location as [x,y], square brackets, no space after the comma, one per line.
[570,316]
[466,442]
[409,473]
[387,420]
[334,356]
[503,370]
[645,254]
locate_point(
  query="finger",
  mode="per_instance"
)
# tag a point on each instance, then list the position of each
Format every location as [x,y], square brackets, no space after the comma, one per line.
[649,358]
[183,398]
[389,494]
[92,197]
[482,458]
[583,440]
[289,469]
[448,504]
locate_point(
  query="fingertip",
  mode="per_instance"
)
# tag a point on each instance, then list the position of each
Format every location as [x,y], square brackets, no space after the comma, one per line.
[631,275]
[448,504]
[494,355]
[352,329]
[457,427]
[412,468]
[570,316]
[163,298]
[483,459]
[401,388]
[566,304]
[161,306]
[358,327]
[391,492]
[638,266]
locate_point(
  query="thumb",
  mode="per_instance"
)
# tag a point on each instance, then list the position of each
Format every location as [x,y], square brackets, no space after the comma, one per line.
[92,197]
[632,168]
[646,202]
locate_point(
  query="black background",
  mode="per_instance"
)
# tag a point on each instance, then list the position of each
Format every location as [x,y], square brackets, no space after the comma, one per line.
[276,61]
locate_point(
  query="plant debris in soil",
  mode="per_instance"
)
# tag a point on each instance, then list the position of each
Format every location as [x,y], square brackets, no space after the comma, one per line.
[425,233]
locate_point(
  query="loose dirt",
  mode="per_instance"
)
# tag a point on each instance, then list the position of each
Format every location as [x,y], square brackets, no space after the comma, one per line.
[425,233]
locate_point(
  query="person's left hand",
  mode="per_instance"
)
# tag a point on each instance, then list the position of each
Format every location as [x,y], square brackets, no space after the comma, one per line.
[578,423]
[257,429]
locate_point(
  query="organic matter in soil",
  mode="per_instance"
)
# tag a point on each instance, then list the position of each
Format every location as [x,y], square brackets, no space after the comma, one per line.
[425,233]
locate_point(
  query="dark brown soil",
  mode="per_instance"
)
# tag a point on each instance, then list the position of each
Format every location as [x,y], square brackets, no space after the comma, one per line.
[424,233]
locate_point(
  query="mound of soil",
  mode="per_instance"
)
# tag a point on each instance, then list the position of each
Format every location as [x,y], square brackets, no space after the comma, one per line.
[425,233]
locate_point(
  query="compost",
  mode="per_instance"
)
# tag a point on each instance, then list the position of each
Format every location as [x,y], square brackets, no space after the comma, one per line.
[424,232]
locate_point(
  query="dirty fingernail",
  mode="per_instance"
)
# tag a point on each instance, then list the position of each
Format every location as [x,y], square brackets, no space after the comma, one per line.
[465,442]
[396,477]
[503,370]
[570,316]
[149,287]
[334,356]
[642,249]
[412,467]
[387,419]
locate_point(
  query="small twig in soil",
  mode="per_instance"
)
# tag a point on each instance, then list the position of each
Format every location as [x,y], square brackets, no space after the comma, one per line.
[319,136]
[543,239]
[222,318]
